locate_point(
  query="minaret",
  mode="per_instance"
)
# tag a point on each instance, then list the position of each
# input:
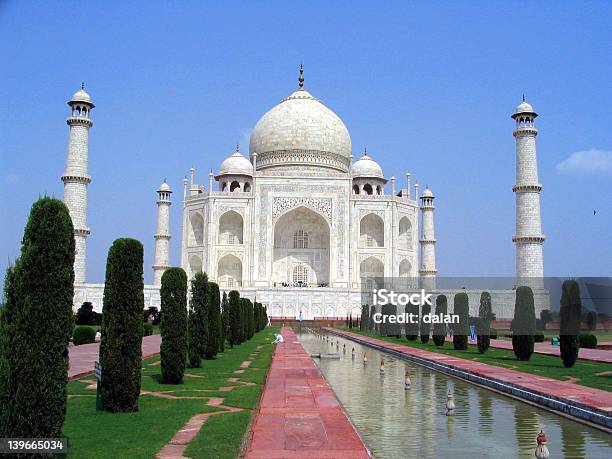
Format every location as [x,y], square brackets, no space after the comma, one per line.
[528,237]
[428,241]
[162,235]
[76,178]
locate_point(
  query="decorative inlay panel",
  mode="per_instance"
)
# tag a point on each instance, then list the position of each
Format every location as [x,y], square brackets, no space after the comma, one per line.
[321,205]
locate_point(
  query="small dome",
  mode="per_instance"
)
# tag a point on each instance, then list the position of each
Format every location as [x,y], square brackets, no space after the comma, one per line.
[524,107]
[366,167]
[427,193]
[236,165]
[164,187]
[81,96]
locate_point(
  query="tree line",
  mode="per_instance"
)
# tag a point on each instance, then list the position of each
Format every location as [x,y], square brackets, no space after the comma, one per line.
[523,328]
[36,323]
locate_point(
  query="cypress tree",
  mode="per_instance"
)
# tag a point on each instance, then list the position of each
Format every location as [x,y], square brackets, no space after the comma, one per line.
[365,312]
[225,315]
[194,357]
[251,317]
[173,327]
[371,324]
[235,309]
[461,307]
[213,321]
[412,327]
[439,329]
[484,322]
[523,325]
[571,310]
[121,341]
[425,327]
[199,335]
[37,324]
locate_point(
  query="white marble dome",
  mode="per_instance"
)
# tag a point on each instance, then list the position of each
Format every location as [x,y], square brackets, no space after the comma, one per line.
[524,107]
[164,187]
[81,96]
[236,165]
[366,167]
[301,129]
[427,193]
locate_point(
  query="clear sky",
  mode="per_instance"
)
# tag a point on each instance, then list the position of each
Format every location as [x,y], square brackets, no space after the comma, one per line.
[429,90]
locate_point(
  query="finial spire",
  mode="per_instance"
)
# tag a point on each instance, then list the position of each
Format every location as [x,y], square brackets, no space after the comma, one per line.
[301,78]
[365,151]
[237,147]
[523,97]
[82,85]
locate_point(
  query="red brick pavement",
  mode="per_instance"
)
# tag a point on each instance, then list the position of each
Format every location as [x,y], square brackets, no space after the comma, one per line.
[299,415]
[590,397]
[82,357]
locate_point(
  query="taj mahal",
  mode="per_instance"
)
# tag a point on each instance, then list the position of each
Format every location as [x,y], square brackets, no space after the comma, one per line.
[301,221]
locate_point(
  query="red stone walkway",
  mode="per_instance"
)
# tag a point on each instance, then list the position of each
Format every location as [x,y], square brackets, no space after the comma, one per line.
[588,397]
[82,357]
[299,415]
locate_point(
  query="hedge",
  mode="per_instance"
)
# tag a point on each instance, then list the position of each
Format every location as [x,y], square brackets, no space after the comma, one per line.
[173,325]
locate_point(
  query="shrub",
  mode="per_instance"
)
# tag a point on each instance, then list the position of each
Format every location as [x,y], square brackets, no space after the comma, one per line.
[153,314]
[587,340]
[571,310]
[194,359]
[461,307]
[439,329]
[485,314]
[523,325]
[83,335]
[591,320]
[38,295]
[4,356]
[234,318]
[538,337]
[425,327]
[213,321]
[120,345]
[85,314]
[147,329]
[173,325]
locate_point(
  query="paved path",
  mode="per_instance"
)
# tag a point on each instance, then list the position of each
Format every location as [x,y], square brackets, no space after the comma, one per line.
[597,355]
[589,397]
[299,415]
[82,357]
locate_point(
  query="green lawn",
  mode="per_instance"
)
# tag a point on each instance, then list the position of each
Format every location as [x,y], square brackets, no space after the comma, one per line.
[95,434]
[584,372]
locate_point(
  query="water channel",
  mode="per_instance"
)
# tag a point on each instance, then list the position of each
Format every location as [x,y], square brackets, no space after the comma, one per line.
[399,423]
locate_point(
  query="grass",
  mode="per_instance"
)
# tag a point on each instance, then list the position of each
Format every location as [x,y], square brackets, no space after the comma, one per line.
[99,435]
[584,372]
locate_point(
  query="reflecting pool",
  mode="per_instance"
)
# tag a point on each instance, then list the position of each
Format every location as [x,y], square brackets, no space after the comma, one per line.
[399,423]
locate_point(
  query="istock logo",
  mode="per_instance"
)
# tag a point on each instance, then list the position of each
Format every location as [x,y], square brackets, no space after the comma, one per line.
[383,296]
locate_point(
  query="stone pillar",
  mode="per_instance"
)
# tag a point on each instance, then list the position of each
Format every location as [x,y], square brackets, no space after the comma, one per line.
[76,178]
[162,235]
[528,238]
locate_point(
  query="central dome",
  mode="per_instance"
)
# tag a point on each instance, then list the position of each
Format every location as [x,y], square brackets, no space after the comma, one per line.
[301,130]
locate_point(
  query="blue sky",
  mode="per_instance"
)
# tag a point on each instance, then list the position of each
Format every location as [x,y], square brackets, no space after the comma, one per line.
[428,89]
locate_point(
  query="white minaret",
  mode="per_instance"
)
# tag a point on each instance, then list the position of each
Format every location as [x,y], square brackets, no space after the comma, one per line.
[162,235]
[76,178]
[428,241]
[528,237]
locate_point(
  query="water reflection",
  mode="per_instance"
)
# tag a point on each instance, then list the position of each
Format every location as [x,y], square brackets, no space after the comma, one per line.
[400,423]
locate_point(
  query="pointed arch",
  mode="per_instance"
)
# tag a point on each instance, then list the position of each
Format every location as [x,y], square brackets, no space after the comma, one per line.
[231,228]
[372,231]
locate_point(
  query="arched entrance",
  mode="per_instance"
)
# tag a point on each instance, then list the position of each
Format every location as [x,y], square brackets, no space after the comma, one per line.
[301,249]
